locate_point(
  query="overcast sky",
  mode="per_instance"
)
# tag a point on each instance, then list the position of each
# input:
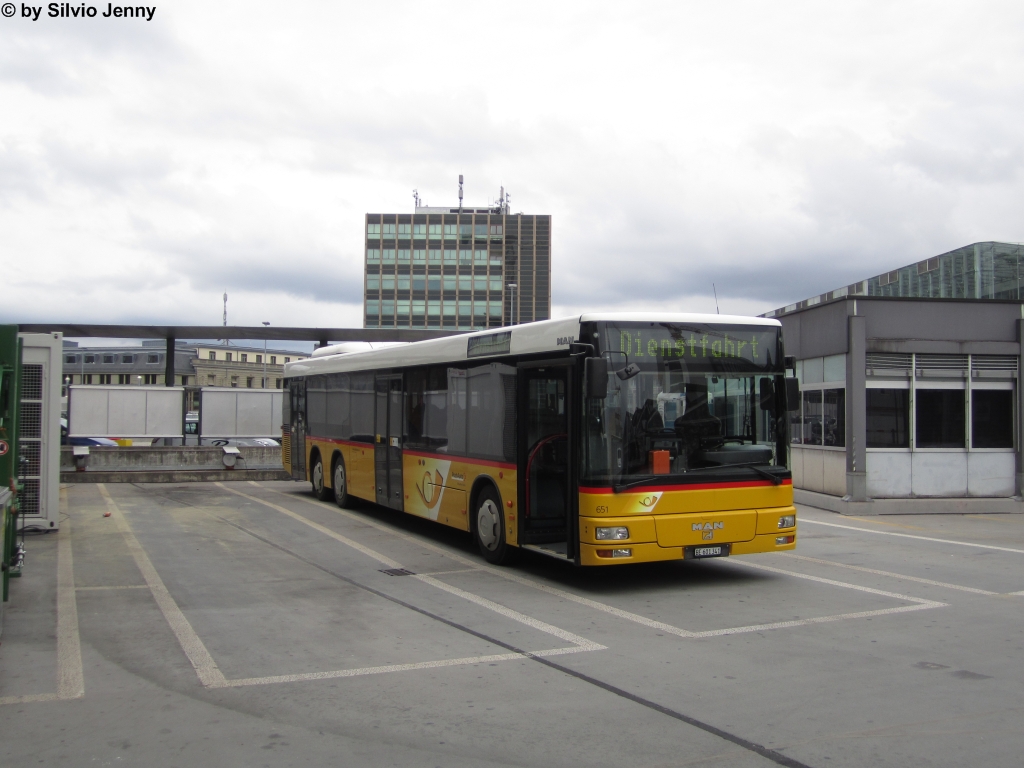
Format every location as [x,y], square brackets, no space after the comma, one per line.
[777,150]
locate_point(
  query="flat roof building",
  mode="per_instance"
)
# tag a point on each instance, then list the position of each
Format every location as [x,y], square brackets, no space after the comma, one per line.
[195,364]
[910,395]
[456,268]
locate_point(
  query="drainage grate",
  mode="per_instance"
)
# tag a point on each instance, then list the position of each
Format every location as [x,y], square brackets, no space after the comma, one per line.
[397,572]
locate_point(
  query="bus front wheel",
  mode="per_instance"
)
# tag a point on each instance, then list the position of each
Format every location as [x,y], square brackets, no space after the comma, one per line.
[316,476]
[489,528]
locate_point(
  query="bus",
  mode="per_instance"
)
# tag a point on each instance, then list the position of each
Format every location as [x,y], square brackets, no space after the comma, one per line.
[598,439]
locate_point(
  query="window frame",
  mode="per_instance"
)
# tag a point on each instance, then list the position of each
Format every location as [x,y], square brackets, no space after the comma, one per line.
[821,387]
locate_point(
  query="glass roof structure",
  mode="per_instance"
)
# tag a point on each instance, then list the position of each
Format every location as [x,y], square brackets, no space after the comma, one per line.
[987,270]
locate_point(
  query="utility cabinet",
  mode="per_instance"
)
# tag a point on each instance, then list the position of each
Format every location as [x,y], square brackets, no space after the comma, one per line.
[39,431]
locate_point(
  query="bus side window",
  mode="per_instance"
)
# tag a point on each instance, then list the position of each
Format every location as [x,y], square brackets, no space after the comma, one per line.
[415,384]
[456,416]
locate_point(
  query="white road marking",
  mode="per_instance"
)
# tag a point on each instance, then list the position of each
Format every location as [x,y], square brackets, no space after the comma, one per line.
[29,699]
[316,526]
[121,586]
[70,678]
[361,671]
[580,644]
[816,620]
[502,573]
[508,613]
[193,647]
[919,603]
[834,583]
[892,575]
[912,536]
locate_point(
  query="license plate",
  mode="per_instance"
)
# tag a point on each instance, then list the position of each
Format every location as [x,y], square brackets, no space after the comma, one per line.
[716,550]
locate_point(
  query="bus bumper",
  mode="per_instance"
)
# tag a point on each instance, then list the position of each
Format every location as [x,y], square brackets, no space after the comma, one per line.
[642,545]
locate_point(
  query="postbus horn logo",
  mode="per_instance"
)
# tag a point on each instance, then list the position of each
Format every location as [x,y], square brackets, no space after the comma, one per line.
[432,496]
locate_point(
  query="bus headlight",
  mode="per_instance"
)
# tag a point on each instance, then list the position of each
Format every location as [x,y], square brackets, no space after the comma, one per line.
[615,553]
[787,521]
[616,533]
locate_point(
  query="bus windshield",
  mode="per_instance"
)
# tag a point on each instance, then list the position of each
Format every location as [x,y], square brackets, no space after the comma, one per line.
[683,399]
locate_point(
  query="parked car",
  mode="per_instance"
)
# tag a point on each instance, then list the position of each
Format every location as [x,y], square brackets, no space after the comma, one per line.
[65,440]
[266,442]
[93,441]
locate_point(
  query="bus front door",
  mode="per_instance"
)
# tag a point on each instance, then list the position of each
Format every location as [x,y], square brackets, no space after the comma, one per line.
[387,454]
[547,479]
[297,427]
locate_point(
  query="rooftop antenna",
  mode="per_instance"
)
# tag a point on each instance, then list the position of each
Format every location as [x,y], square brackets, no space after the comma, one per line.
[460,191]
[716,298]
[501,200]
[225,313]
[416,197]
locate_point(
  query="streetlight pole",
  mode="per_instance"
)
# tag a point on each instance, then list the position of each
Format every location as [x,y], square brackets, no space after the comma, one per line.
[265,324]
[512,303]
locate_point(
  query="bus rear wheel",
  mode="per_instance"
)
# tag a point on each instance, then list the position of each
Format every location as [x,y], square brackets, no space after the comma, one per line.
[489,529]
[316,477]
[340,483]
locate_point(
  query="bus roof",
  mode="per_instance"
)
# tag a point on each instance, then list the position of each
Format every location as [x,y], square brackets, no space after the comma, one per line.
[527,339]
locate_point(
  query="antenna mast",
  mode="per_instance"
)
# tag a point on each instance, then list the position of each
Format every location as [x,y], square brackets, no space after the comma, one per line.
[460,191]
[416,197]
[225,314]
[717,311]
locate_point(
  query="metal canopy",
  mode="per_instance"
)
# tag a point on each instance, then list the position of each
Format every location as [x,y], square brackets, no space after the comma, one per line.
[258,333]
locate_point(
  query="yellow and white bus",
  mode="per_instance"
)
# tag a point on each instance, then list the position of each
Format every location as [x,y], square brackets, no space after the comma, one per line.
[598,439]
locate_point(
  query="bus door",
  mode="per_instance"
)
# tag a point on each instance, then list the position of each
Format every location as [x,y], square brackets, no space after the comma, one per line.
[387,454]
[297,426]
[547,458]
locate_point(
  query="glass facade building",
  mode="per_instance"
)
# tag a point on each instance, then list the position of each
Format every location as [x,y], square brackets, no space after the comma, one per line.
[988,270]
[460,269]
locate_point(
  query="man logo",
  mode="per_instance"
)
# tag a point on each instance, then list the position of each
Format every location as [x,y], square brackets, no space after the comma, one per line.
[708,526]
[707,529]
[562,340]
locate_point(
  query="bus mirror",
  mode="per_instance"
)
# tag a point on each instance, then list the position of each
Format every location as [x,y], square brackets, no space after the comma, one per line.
[792,394]
[628,372]
[597,377]
[767,392]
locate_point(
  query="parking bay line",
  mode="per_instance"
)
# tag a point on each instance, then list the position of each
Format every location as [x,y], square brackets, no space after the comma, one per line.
[210,675]
[200,658]
[919,603]
[912,536]
[903,576]
[70,676]
[579,644]
[540,657]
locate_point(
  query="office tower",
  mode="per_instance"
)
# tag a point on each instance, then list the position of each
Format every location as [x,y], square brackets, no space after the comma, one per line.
[457,268]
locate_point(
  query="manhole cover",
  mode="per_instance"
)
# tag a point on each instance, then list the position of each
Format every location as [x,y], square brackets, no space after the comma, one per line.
[397,572]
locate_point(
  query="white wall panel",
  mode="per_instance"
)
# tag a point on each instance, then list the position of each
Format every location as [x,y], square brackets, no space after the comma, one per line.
[939,474]
[241,412]
[990,474]
[125,411]
[889,474]
[834,472]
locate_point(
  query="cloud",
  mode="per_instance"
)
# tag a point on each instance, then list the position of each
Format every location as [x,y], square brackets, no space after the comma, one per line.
[775,152]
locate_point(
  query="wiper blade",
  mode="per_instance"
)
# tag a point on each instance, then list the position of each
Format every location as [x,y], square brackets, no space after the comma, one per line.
[756,466]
